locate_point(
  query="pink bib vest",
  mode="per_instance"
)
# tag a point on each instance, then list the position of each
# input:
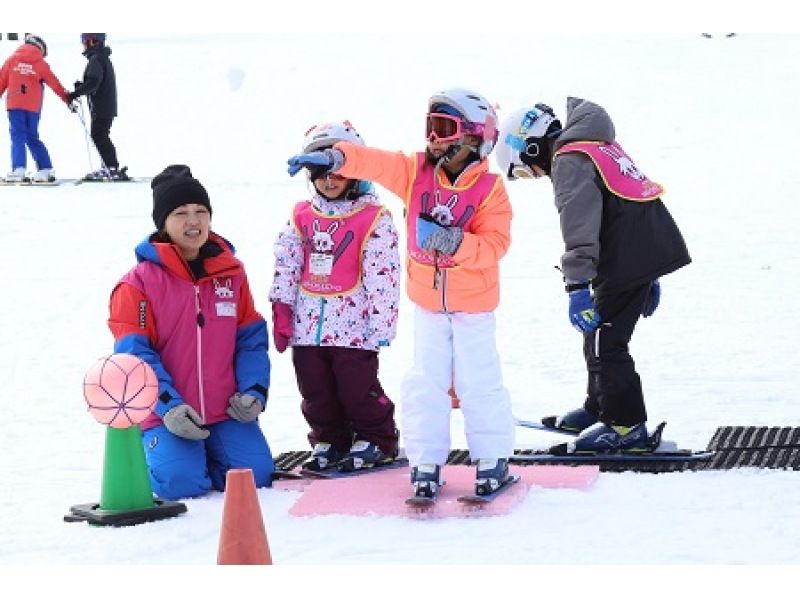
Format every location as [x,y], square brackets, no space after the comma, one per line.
[449,206]
[618,171]
[333,247]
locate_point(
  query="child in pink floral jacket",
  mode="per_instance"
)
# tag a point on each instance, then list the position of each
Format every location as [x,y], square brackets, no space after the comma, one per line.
[335,298]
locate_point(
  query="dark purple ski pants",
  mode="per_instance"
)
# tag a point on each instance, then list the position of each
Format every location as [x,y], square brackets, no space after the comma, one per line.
[342,398]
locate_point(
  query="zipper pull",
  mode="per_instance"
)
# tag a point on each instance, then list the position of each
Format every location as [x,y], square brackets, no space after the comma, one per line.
[437,273]
[201,320]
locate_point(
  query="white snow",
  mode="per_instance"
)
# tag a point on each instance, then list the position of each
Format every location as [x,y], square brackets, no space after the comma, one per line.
[714,120]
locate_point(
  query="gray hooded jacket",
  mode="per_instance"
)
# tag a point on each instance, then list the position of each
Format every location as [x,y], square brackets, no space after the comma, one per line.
[615,243]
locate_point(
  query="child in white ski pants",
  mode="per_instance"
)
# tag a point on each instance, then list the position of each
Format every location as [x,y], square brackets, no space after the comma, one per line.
[458,349]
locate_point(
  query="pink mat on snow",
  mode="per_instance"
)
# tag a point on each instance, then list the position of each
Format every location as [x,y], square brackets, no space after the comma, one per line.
[384,492]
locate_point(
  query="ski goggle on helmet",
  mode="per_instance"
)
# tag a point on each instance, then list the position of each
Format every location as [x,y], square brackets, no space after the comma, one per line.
[523,141]
[92,37]
[457,112]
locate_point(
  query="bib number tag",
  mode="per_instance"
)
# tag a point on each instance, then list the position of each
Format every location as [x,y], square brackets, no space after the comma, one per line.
[321,264]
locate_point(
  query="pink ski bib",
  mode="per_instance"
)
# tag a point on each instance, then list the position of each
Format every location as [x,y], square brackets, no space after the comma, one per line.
[618,171]
[450,207]
[333,247]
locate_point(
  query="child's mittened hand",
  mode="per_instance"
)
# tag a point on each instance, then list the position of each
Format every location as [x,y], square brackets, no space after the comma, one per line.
[281,325]
[446,240]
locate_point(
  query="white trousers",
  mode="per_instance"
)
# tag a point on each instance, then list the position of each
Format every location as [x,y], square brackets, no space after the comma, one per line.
[460,348]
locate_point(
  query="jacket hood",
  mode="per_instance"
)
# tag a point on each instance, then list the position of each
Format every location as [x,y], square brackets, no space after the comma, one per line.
[586,121]
[168,256]
[28,53]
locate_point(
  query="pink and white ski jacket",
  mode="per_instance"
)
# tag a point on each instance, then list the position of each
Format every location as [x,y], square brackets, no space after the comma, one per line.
[365,318]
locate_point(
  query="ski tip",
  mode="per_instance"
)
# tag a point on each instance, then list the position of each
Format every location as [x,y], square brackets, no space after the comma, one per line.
[420,502]
[280,474]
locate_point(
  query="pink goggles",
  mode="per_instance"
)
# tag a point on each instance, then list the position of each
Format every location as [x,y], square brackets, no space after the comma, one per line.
[446,127]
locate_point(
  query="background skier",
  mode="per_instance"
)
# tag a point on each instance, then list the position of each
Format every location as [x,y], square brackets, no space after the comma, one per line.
[23,76]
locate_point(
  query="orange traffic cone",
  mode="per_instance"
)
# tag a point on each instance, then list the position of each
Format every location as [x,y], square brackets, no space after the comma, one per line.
[242,538]
[455,403]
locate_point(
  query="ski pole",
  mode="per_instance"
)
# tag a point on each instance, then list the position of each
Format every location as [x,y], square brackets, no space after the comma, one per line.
[80,114]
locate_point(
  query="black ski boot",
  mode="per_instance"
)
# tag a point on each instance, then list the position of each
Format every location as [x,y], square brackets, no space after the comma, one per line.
[363,455]
[490,475]
[324,456]
[426,479]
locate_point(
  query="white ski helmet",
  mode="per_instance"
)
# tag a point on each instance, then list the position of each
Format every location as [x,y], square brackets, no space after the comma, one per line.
[525,132]
[477,112]
[328,134]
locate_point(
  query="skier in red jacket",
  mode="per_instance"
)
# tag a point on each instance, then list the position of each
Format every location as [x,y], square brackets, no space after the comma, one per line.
[24,75]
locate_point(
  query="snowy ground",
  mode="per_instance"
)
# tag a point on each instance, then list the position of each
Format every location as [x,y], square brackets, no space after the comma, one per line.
[714,120]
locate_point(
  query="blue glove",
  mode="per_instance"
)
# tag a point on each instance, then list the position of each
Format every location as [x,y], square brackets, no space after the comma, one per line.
[652,299]
[426,226]
[582,313]
[318,163]
[317,160]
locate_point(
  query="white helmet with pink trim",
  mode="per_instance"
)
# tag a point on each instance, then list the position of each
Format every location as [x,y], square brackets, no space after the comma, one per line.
[329,134]
[479,115]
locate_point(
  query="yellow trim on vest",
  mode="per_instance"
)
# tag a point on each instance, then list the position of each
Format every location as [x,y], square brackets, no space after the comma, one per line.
[567,149]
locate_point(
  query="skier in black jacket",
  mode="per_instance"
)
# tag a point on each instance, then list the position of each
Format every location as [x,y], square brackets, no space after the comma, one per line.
[99,85]
[619,239]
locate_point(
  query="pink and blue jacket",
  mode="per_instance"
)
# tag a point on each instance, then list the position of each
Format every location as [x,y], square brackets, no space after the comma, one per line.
[204,338]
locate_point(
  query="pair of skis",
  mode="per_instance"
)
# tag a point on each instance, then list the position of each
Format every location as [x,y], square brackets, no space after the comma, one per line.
[333,473]
[60,182]
[418,502]
[31,183]
[422,503]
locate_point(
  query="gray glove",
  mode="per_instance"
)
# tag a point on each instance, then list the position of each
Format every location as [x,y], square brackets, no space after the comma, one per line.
[447,240]
[244,408]
[185,422]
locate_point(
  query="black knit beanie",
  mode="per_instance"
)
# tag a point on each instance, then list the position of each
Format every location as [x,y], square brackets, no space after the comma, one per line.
[173,187]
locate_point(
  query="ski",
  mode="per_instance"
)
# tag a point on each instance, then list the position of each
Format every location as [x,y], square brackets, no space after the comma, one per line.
[421,502]
[128,180]
[547,458]
[481,499]
[333,473]
[280,474]
[548,424]
[31,183]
